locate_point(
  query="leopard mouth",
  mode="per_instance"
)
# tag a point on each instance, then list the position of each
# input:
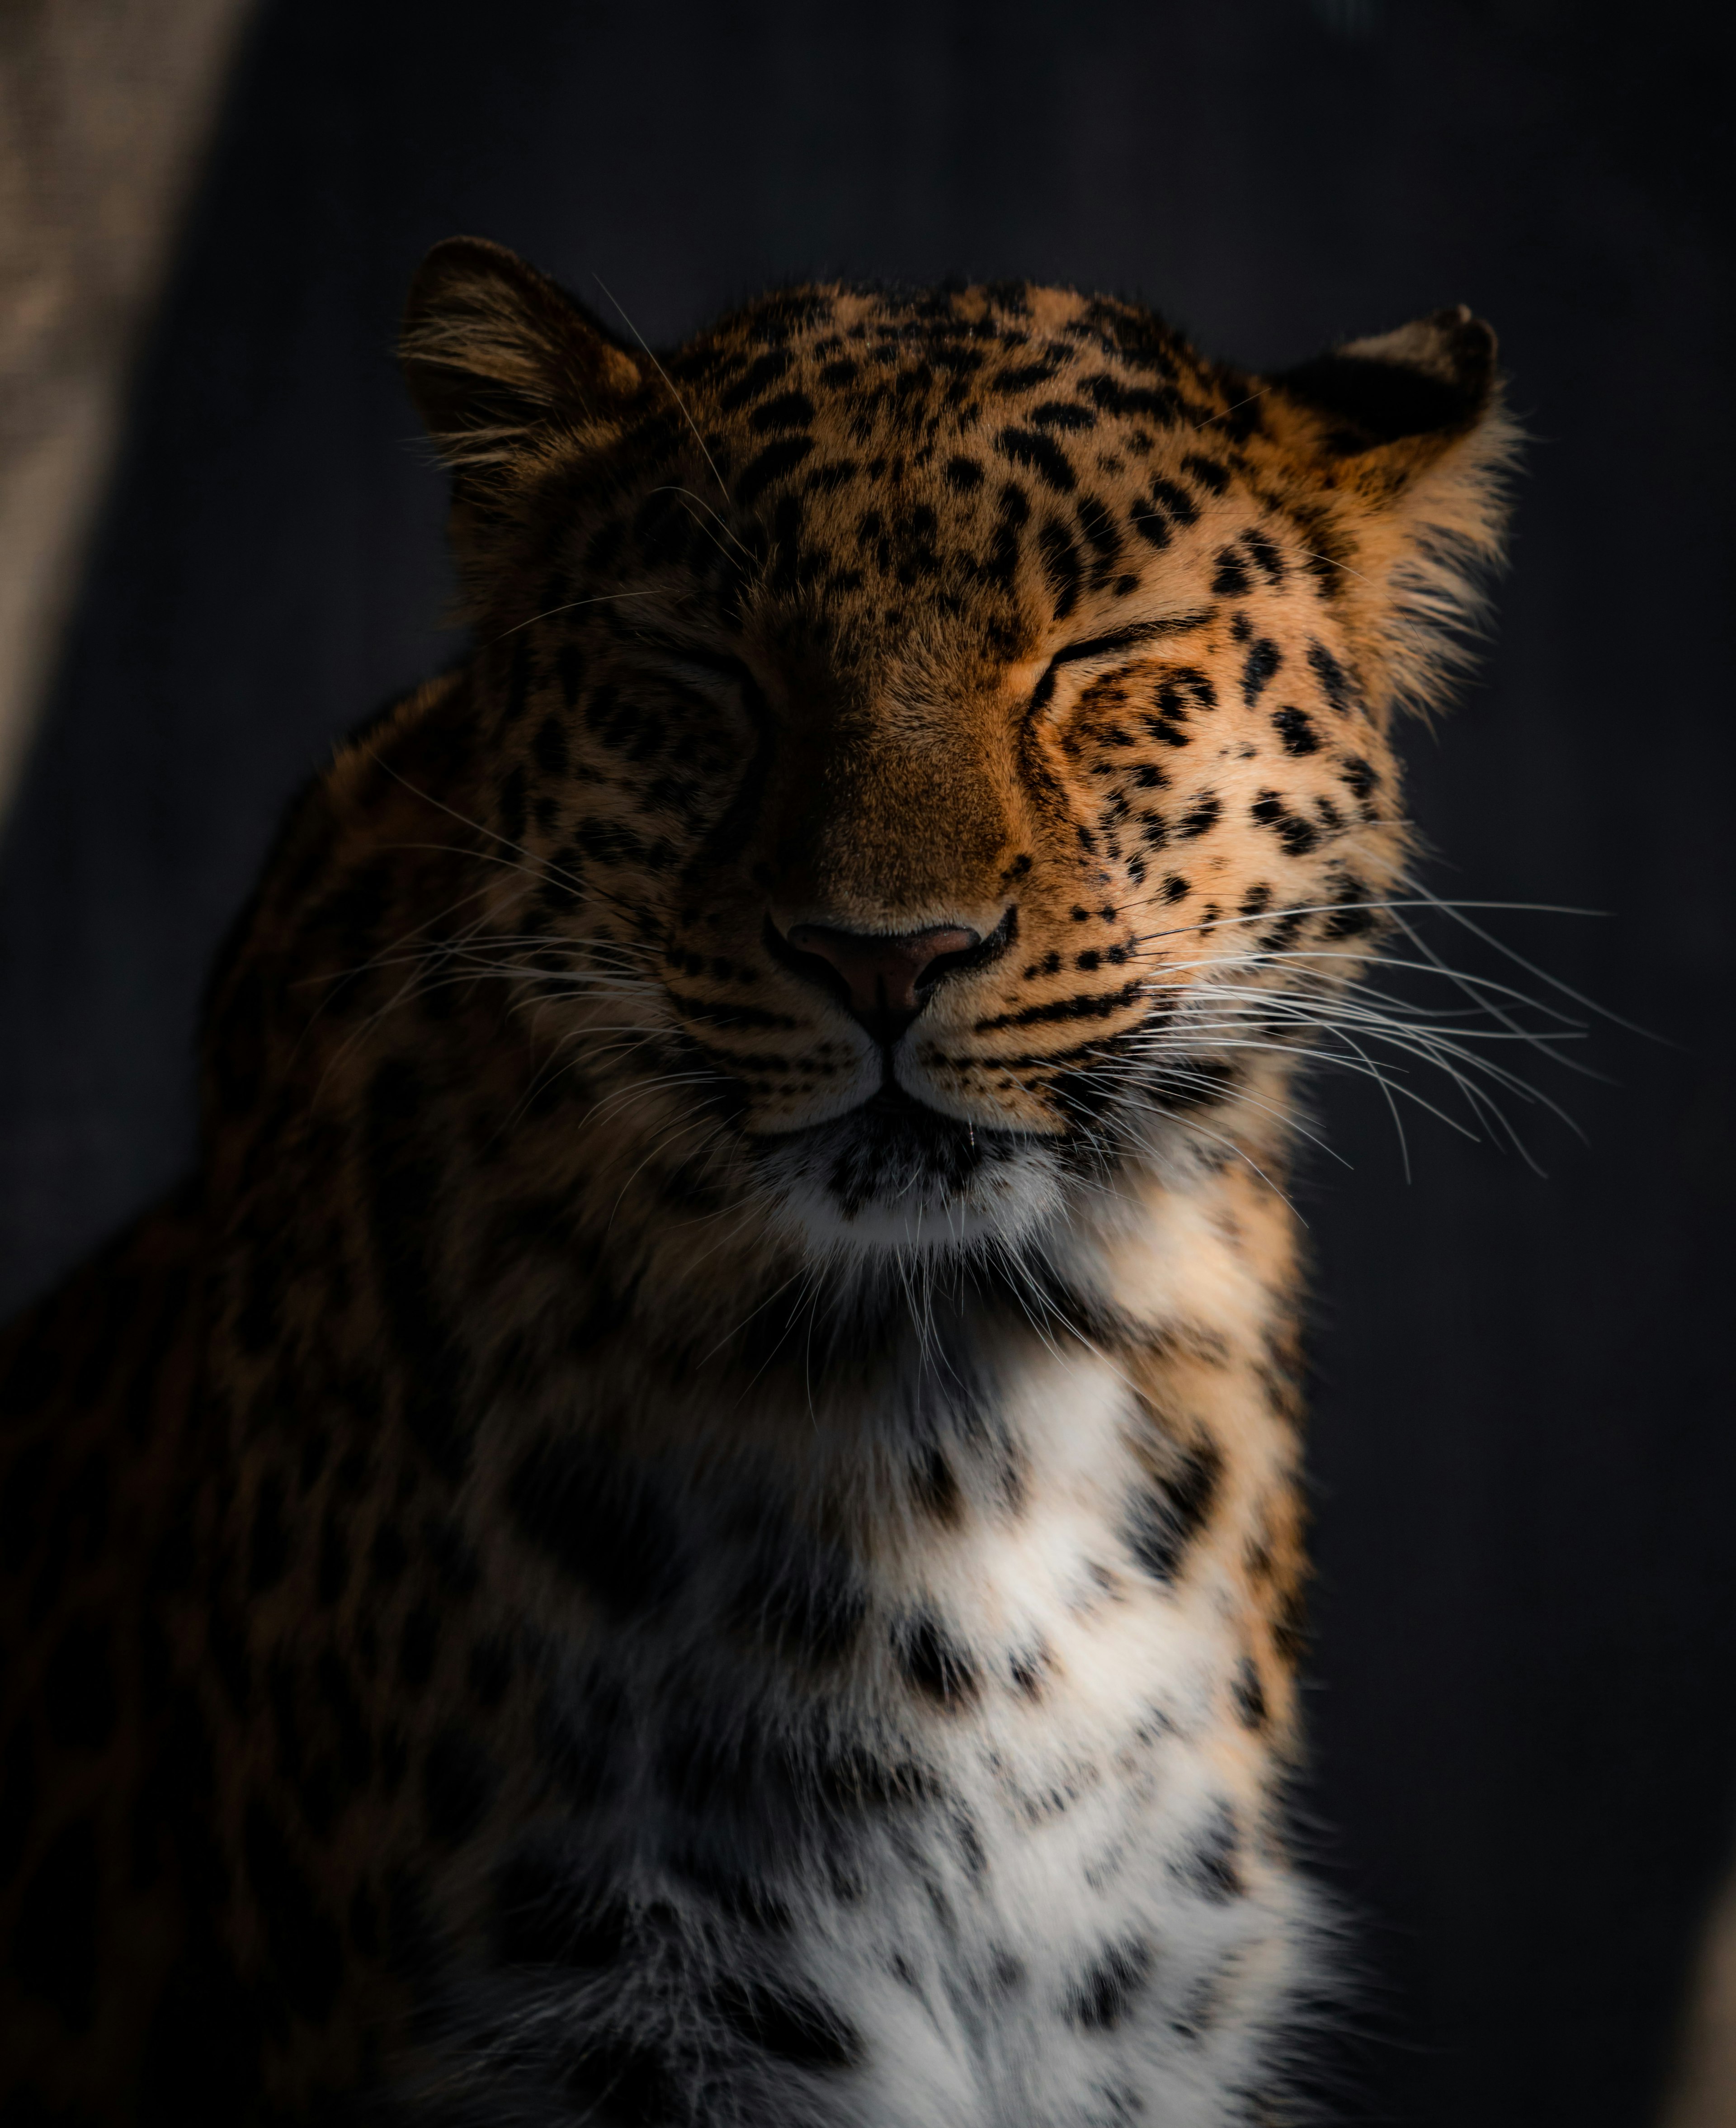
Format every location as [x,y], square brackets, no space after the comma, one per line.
[894,1101]
[894,1153]
[898,1127]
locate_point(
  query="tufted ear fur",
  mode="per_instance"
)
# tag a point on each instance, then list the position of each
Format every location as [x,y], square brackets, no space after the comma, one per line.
[500,361]
[1407,434]
[1419,387]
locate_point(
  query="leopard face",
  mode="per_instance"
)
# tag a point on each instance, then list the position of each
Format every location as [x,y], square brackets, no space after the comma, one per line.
[941,742]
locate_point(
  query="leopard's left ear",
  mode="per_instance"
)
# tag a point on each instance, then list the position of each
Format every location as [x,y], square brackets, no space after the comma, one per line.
[1407,446]
[1408,394]
[499,359]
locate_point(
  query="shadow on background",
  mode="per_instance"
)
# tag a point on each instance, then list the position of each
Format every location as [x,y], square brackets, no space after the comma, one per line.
[1522,1445]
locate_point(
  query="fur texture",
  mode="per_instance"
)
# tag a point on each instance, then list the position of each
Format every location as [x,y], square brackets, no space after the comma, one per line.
[643,1545]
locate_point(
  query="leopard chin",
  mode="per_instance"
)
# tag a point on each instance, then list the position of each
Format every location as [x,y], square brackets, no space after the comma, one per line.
[894,1175]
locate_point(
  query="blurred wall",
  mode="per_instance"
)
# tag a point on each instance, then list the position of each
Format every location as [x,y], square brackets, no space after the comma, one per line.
[1704,2088]
[105,105]
[1525,1743]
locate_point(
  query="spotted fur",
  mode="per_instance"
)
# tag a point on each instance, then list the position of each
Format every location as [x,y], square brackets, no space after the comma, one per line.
[643,1545]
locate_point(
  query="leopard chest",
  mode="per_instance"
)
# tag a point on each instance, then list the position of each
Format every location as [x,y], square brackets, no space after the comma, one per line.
[971,1827]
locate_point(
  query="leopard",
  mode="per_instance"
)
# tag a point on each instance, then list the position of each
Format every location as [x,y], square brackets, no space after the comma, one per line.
[695,1514]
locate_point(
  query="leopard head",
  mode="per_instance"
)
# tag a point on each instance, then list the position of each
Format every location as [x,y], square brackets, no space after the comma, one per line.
[960,720]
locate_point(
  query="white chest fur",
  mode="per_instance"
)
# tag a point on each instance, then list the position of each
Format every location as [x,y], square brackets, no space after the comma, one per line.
[926,1785]
[1088,1923]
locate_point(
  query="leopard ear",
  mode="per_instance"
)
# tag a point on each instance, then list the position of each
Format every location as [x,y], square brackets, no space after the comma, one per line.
[1408,394]
[500,360]
[1403,451]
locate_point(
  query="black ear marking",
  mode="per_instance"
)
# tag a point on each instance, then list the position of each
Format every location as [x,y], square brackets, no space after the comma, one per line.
[1434,377]
[492,350]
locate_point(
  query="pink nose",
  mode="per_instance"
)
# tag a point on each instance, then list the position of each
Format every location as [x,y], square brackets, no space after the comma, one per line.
[881,970]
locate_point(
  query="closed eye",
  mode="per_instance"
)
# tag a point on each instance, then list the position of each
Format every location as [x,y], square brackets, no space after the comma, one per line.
[1104,649]
[696,666]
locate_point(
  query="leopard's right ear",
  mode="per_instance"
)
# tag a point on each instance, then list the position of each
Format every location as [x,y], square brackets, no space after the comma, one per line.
[502,362]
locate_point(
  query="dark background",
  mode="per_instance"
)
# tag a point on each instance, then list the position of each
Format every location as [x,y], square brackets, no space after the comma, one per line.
[1524,1450]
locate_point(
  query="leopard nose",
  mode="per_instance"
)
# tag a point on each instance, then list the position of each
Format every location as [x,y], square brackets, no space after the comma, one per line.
[881,972]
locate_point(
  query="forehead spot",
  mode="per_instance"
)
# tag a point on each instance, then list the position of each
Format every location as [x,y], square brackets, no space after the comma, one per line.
[1030,448]
[789,410]
[762,375]
[1062,414]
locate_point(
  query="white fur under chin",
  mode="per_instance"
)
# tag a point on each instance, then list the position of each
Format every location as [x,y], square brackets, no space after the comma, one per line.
[1016,1193]
[1011,1195]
